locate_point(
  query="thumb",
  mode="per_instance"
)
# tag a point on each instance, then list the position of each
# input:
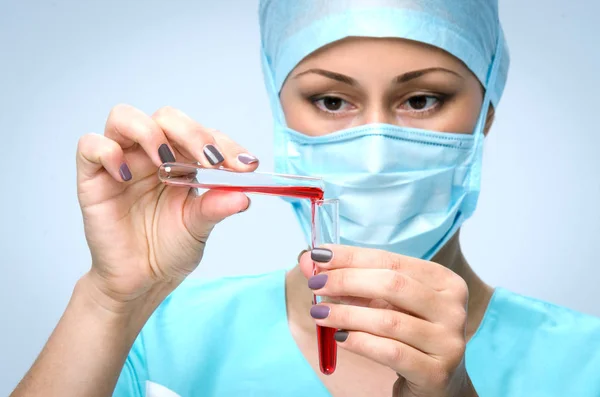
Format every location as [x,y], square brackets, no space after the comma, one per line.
[202,213]
[306,264]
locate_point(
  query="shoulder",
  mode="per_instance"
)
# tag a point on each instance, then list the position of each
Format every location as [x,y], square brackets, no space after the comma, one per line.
[526,314]
[194,292]
[200,313]
[529,344]
[195,336]
[205,324]
[199,300]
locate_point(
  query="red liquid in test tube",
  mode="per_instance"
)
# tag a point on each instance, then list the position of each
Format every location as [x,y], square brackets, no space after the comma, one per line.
[325,335]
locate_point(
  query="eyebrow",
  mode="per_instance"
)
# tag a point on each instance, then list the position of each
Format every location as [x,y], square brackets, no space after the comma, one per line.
[401,79]
[342,78]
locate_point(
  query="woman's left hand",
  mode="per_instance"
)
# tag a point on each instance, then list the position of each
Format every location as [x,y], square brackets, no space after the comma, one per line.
[405,313]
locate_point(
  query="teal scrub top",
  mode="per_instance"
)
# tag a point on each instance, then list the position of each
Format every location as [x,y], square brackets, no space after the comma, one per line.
[230,337]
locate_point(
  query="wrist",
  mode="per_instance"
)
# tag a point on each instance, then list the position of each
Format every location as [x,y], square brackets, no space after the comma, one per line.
[130,314]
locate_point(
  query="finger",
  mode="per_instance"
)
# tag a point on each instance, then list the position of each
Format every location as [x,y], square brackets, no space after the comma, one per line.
[236,156]
[341,256]
[306,264]
[189,137]
[208,146]
[398,386]
[398,289]
[415,332]
[300,256]
[410,363]
[96,152]
[129,126]
[202,213]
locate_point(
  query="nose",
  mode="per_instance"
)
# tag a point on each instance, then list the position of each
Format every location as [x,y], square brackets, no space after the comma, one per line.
[378,114]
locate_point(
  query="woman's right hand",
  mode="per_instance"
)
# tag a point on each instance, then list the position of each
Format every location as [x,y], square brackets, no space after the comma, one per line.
[141,233]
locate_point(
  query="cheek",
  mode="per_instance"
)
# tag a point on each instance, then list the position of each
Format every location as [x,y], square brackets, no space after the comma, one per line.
[294,110]
[460,115]
[296,113]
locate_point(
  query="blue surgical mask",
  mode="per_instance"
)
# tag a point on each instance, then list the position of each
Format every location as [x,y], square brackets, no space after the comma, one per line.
[401,190]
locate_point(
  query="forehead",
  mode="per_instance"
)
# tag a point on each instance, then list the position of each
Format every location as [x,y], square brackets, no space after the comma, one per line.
[353,54]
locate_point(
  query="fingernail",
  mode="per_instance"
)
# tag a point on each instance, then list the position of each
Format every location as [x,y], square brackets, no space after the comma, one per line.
[247,159]
[300,254]
[319,312]
[246,209]
[213,155]
[341,336]
[322,255]
[318,281]
[125,172]
[165,154]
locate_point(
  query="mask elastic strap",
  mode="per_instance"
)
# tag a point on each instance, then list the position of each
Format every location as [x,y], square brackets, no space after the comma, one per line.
[479,130]
[279,140]
[272,91]
[491,81]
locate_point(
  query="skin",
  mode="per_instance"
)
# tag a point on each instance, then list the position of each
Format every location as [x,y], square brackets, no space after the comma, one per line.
[145,238]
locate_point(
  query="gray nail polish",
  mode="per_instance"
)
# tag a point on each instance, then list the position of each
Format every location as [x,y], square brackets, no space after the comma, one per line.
[341,336]
[165,154]
[319,312]
[317,282]
[247,159]
[322,255]
[125,172]
[213,155]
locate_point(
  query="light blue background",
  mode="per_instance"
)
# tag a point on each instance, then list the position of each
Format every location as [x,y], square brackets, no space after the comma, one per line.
[65,63]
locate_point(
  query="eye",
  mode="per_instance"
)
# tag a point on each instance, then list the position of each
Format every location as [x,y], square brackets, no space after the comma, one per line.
[421,103]
[331,104]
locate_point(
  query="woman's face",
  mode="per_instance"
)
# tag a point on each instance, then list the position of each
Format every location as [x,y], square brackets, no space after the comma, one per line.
[360,81]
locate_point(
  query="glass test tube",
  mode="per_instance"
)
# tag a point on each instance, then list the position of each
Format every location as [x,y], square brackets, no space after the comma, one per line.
[325,230]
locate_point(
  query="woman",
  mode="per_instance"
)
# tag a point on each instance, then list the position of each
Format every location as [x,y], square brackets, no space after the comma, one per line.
[388,101]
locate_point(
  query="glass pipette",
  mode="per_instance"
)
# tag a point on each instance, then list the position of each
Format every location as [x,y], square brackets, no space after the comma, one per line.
[195,176]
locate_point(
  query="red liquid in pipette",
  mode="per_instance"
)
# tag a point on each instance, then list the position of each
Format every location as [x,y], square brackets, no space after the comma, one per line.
[326,343]
[302,192]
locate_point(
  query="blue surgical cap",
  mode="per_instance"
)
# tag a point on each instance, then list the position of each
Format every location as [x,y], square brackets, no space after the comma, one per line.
[468,29]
